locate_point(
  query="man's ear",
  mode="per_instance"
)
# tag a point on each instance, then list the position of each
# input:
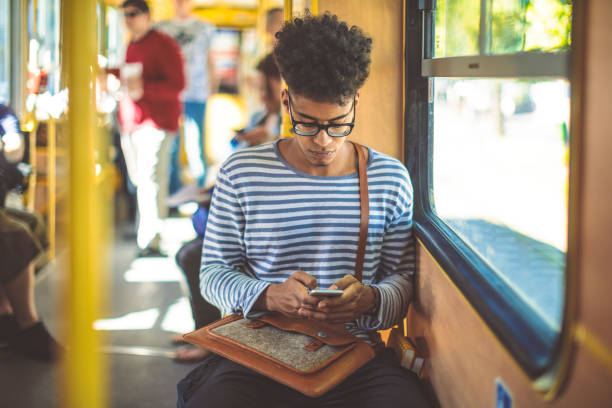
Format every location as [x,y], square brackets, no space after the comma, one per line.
[357,99]
[285,100]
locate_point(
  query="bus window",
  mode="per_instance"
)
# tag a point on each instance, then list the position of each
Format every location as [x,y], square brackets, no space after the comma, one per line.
[5,50]
[500,177]
[495,201]
[44,41]
[504,26]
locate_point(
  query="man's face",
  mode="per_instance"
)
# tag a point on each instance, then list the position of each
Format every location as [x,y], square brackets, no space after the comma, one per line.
[269,92]
[275,22]
[184,5]
[136,21]
[321,149]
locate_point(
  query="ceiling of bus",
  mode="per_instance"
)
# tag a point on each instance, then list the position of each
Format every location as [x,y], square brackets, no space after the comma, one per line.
[250,4]
[222,13]
[226,3]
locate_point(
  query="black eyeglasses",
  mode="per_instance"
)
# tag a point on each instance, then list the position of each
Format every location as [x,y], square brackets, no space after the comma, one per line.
[313,128]
[132,14]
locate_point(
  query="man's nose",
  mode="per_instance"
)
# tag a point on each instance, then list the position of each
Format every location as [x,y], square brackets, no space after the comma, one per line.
[322,138]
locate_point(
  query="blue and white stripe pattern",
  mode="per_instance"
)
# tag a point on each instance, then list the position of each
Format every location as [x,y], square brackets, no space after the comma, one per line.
[268,220]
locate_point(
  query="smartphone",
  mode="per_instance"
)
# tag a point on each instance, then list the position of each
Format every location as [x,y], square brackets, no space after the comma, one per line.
[326,292]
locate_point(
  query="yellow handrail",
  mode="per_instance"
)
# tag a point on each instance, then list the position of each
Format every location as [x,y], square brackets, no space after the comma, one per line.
[31,127]
[285,120]
[288,7]
[51,184]
[314,7]
[84,380]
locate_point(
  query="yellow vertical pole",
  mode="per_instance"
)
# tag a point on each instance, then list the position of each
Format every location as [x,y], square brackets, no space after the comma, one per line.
[286,122]
[261,27]
[314,7]
[288,8]
[83,384]
[31,200]
[29,123]
[51,184]
[19,61]
[35,17]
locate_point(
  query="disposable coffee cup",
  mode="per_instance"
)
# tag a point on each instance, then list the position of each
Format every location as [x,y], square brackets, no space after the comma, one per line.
[132,72]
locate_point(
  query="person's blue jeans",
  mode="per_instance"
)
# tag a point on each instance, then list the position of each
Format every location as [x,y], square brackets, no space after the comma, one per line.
[193,138]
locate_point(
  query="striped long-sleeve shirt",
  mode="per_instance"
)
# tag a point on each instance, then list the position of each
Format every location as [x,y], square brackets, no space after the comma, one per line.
[268,220]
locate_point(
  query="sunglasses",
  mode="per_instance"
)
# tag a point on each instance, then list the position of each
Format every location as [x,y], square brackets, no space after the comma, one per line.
[132,14]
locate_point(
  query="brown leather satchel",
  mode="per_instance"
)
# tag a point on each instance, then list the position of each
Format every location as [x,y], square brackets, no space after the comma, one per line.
[307,355]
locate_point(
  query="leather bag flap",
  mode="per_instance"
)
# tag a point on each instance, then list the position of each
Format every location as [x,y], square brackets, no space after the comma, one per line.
[328,333]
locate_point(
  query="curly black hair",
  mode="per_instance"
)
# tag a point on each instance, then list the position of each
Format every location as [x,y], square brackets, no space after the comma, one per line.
[322,59]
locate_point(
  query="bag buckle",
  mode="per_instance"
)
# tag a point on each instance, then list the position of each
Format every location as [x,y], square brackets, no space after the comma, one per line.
[314,345]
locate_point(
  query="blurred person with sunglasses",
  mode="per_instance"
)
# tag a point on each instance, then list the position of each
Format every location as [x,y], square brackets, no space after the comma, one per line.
[153,77]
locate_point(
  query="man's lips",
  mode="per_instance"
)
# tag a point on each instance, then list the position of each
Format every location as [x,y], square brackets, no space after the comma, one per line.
[321,154]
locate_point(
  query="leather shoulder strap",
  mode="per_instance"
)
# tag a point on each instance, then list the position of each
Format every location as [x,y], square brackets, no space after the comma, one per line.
[365,210]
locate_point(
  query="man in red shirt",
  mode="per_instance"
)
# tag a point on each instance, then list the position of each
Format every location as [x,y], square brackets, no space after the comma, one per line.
[153,77]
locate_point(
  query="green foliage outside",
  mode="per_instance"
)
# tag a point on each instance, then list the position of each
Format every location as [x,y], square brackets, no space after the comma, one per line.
[511,26]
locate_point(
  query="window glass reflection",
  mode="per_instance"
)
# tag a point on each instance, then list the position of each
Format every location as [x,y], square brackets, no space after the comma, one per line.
[500,180]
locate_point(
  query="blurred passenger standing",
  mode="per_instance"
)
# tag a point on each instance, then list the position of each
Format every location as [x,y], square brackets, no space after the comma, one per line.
[264,127]
[275,17]
[149,116]
[20,325]
[13,174]
[265,124]
[195,37]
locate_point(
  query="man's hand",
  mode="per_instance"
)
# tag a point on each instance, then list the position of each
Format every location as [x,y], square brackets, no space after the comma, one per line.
[356,300]
[290,296]
[135,87]
[255,136]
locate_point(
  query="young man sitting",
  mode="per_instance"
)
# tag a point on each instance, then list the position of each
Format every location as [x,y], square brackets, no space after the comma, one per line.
[286,216]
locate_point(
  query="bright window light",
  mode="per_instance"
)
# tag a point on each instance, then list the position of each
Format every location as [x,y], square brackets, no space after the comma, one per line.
[143,320]
[178,318]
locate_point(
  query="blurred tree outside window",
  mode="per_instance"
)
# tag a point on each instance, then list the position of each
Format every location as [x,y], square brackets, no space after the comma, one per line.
[507,26]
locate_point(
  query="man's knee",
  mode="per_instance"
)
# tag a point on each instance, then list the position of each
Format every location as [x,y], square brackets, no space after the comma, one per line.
[402,390]
[190,256]
[384,382]
[228,385]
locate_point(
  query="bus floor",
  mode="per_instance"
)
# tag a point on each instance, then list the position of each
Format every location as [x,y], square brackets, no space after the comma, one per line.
[146,306]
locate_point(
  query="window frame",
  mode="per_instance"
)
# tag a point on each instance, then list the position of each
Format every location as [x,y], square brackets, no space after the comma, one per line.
[7,10]
[18,42]
[534,347]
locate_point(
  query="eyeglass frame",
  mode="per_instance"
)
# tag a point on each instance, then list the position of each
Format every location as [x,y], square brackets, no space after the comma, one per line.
[319,126]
